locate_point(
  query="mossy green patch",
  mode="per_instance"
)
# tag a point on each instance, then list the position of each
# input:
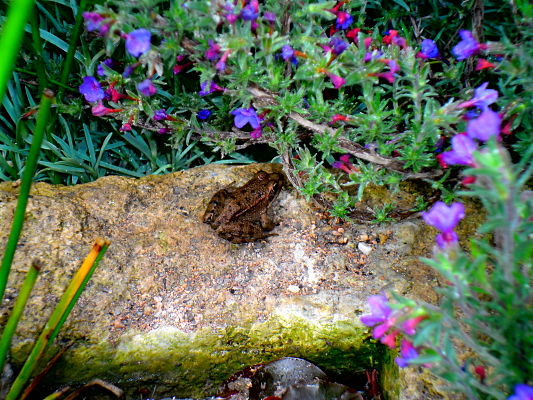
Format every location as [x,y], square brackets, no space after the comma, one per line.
[194,365]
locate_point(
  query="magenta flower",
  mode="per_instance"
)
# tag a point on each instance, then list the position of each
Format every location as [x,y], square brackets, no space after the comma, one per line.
[203,114]
[522,392]
[389,340]
[483,97]
[147,88]
[245,116]
[409,325]
[138,42]
[468,46]
[486,125]
[380,316]
[163,131]
[100,110]
[337,80]
[125,127]
[344,20]
[93,21]
[221,64]
[407,353]
[212,51]
[256,133]
[461,153]
[429,49]
[91,89]
[209,87]
[445,219]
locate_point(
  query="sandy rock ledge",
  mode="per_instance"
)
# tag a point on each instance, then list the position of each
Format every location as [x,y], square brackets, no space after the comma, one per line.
[175,304]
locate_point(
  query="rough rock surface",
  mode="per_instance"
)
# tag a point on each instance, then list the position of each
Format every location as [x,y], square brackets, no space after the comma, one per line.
[173,302]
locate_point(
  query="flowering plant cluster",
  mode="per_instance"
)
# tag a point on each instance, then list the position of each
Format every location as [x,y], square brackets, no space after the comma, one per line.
[309,79]
[486,304]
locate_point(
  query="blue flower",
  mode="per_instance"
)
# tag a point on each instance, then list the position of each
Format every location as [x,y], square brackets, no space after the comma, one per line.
[344,20]
[203,114]
[522,392]
[91,89]
[160,115]
[251,11]
[338,45]
[138,42]
[245,116]
[429,49]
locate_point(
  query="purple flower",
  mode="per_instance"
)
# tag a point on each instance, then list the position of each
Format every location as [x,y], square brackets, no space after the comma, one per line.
[444,218]
[407,353]
[138,42]
[344,20]
[486,125]
[380,317]
[213,51]
[287,52]
[93,21]
[461,153]
[251,11]
[269,17]
[522,392]
[483,97]
[203,114]
[147,88]
[91,89]
[467,47]
[100,69]
[245,116]
[208,87]
[160,115]
[129,70]
[429,49]
[338,45]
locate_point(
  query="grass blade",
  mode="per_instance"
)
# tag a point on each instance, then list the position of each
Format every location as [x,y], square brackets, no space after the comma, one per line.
[59,315]
[18,308]
[27,177]
[11,37]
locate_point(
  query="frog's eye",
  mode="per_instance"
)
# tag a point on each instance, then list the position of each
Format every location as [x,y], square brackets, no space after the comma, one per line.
[262,175]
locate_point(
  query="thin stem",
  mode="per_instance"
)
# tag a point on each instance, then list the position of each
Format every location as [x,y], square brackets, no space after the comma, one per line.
[25,71]
[38,48]
[27,177]
[11,37]
[18,308]
[58,316]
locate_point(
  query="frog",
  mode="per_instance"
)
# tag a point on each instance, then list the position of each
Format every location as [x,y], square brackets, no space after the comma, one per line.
[240,215]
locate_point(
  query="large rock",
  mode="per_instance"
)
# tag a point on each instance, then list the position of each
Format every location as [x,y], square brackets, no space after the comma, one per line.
[174,305]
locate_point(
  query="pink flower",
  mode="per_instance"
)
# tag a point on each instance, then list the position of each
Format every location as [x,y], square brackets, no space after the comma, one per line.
[99,110]
[483,64]
[410,324]
[336,80]
[390,339]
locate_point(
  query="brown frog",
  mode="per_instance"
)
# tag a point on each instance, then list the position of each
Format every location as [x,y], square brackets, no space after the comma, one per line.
[240,215]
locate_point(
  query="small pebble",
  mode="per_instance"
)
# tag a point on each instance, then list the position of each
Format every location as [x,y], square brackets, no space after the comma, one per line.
[364,248]
[293,289]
